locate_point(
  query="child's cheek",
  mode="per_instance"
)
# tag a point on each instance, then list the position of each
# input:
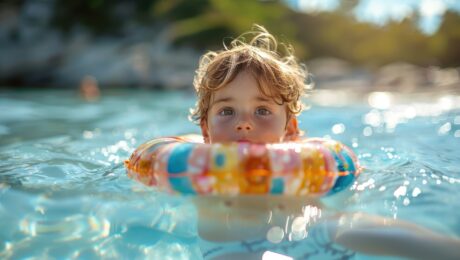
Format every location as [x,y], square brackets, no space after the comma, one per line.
[220,122]
[268,122]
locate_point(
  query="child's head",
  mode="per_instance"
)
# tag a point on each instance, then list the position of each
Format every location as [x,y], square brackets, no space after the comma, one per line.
[249,92]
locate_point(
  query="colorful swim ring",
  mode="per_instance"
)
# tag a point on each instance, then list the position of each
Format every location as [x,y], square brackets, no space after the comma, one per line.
[186,165]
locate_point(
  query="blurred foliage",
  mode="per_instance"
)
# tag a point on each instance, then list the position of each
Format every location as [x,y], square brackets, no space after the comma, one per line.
[97,15]
[333,34]
[205,27]
[445,43]
[204,23]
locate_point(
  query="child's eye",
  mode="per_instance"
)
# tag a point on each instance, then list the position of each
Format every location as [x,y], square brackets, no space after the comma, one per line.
[261,111]
[226,112]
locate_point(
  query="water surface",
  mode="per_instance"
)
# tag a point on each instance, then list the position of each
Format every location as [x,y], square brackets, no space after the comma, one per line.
[64,192]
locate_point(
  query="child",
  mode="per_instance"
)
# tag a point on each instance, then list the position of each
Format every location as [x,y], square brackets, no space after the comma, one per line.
[250,93]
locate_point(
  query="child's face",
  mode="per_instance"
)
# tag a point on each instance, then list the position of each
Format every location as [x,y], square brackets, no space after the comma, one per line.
[240,112]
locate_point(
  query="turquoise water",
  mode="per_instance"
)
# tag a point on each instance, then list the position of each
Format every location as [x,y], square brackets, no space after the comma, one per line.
[64,192]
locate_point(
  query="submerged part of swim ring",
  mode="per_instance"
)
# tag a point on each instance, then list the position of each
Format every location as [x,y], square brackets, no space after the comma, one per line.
[186,165]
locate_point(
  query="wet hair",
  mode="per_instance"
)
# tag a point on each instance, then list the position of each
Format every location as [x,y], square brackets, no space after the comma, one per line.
[280,77]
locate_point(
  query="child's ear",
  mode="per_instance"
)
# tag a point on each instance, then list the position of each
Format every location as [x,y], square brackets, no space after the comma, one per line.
[292,130]
[204,131]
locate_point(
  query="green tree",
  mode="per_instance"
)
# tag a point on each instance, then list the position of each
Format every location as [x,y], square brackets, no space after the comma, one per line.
[445,43]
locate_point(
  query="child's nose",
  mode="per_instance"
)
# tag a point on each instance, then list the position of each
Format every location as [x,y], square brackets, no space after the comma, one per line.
[244,125]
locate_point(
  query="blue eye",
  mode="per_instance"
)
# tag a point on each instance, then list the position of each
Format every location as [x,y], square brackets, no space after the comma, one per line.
[261,111]
[226,112]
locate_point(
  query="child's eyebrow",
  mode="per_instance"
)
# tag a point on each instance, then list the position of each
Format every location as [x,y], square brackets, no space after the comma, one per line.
[263,99]
[220,100]
[229,99]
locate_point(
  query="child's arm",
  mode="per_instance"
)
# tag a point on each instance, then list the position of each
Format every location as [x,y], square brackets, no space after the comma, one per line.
[382,236]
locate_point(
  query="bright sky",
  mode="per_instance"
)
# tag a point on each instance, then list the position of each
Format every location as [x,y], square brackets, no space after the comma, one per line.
[382,11]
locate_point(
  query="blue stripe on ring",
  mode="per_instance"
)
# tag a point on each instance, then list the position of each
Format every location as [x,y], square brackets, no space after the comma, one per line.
[178,163]
[351,165]
[343,182]
[182,185]
[178,159]
[277,186]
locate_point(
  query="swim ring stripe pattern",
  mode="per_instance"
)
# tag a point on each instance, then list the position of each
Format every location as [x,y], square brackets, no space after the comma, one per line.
[187,166]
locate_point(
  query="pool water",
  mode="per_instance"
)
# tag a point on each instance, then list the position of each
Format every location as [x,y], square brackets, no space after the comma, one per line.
[64,192]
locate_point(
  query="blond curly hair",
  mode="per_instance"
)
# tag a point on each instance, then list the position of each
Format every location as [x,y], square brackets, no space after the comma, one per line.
[279,77]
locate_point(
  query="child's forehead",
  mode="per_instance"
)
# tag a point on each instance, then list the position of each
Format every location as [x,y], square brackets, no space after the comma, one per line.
[243,87]
[246,82]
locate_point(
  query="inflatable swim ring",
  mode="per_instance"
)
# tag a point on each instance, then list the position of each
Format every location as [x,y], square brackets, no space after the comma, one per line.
[186,165]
